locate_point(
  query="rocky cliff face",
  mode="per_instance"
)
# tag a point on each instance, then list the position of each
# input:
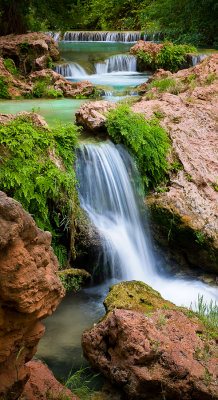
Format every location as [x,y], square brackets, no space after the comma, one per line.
[31,56]
[30,290]
[150,349]
[184,213]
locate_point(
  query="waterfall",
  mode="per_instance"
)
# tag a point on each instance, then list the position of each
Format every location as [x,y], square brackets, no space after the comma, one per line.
[107,193]
[121,62]
[54,35]
[71,70]
[112,207]
[196,59]
[109,36]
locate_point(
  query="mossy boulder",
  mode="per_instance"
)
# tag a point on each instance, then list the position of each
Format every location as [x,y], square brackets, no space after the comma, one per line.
[73,278]
[135,295]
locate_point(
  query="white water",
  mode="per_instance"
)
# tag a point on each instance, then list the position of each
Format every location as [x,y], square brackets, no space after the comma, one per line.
[196,59]
[118,63]
[109,36]
[71,70]
[108,196]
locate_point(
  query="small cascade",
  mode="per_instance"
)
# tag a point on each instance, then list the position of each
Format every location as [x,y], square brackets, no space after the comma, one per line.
[109,36]
[196,59]
[71,70]
[119,63]
[54,35]
[112,207]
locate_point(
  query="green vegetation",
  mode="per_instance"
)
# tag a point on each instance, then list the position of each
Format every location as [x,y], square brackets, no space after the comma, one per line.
[30,175]
[170,57]
[165,85]
[10,66]
[81,383]
[4,88]
[185,21]
[71,283]
[207,313]
[41,90]
[146,140]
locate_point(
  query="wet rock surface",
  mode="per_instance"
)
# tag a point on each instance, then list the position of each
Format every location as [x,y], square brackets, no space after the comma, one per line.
[92,116]
[42,385]
[151,355]
[185,216]
[30,290]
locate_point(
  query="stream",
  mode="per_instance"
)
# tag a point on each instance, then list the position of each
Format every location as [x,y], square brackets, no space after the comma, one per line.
[108,194]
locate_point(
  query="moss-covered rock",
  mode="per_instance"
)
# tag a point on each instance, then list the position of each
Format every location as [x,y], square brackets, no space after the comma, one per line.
[73,278]
[135,295]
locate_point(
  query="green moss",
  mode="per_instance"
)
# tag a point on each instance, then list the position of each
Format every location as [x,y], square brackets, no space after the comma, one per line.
[135,295]
[10,66]
[4,88]
[73,278]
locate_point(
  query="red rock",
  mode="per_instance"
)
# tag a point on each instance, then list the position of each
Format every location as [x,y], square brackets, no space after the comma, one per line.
[151,355]
[148,47]
[92,116]
[29,51]
[190,118]
[30,290]
[43,385]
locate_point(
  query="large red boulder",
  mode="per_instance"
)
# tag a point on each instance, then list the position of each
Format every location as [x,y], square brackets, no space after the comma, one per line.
[30,290]
[151,354]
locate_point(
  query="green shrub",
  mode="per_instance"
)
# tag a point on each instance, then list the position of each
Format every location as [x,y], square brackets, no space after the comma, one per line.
[146,140]
[52,93]
[4,88]
[10,66]
[39,89]
[166,85]
[171,57]
[146,59]
[31,177]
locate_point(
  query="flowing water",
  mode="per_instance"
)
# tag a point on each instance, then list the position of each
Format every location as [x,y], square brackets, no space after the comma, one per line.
[109,191]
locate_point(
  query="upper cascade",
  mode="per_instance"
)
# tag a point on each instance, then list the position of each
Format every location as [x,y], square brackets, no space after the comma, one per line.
[108,36]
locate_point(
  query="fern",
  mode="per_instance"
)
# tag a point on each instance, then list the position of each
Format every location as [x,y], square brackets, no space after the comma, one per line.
[30,176]
[146,140]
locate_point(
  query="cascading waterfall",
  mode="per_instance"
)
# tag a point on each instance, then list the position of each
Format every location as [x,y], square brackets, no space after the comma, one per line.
[71,70]
[108,196]
[109,36]
[118,63]
[196,59]
[113,210]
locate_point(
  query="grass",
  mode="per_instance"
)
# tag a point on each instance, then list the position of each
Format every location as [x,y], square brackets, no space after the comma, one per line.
[169,85]
[207,313]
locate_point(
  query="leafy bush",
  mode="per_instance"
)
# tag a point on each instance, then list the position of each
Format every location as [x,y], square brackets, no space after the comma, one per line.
[171,57]
[146,140]
[30,175]
[4,88]
[10,66]
[39,89]
[166,85]
[146,59]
